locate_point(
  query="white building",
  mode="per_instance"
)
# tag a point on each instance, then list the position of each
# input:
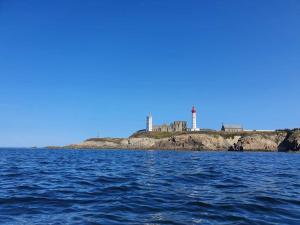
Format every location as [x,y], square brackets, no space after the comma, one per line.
[149,123]
[194,120]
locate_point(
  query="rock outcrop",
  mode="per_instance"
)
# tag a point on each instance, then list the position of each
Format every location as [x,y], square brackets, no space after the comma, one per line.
[246,141]
[291,142]
[263,142]
[197,142]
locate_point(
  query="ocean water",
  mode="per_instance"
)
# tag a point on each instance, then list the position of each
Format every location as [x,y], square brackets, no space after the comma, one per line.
[42,186]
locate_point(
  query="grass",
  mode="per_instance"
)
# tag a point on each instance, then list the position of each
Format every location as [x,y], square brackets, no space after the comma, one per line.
[158,135]
[154,134]
[116,140]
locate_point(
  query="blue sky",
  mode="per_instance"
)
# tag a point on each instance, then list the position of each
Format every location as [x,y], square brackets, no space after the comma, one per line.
[70,69]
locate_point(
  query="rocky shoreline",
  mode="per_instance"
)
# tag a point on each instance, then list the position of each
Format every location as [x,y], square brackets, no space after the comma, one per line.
[287,140]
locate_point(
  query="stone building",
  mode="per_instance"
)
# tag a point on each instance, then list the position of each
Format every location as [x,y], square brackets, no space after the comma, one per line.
[162,128]
[179,126]
[176,126]
[232,128]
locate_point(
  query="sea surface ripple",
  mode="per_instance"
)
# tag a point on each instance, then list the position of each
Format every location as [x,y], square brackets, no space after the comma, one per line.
[41,186]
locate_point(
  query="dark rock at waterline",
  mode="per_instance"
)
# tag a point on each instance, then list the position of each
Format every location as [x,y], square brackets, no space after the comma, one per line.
[236,148]
[291,142]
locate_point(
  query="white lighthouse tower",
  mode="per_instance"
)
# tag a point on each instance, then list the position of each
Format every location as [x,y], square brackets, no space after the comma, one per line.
[194,120]
[149,123]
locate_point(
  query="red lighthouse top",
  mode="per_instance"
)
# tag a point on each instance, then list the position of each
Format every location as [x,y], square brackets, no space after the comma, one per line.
[193,109]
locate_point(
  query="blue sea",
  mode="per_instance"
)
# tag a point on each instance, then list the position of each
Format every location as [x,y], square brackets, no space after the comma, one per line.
[40,186]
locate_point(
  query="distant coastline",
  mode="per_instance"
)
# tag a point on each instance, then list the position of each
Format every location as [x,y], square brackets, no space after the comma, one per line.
[178,136]
[279,140]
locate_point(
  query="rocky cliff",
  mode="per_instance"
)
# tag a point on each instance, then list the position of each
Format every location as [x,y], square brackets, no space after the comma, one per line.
[291,142]
[247,141]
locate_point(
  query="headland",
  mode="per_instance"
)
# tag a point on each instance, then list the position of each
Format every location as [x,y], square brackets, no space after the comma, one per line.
[279,140]
[179,136]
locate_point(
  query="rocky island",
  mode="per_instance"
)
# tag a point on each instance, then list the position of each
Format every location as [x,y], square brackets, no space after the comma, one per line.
[179,136]
[279,140]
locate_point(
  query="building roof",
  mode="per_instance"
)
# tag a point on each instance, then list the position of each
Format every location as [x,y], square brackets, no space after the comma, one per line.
[232,126]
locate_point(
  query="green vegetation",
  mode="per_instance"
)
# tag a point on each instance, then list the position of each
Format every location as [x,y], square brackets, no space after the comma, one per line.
[156,135]
[116,140]
[216,134]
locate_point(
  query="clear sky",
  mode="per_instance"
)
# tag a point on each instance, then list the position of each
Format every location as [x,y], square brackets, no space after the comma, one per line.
[70,69]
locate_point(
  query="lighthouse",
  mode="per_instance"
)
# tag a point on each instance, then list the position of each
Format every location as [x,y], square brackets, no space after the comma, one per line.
[149,123]
[194,120]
